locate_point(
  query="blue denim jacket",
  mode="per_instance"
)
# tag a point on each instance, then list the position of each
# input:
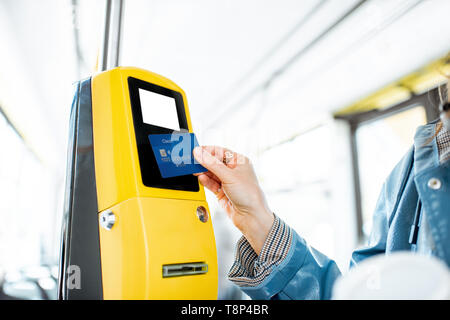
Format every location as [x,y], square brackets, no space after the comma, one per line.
[306,273]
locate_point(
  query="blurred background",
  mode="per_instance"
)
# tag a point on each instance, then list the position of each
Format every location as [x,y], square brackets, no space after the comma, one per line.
[323,95]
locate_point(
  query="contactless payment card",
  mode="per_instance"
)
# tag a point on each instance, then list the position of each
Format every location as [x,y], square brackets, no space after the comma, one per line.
[173,153]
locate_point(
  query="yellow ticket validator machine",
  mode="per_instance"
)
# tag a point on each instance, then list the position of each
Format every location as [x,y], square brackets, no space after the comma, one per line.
[127,232]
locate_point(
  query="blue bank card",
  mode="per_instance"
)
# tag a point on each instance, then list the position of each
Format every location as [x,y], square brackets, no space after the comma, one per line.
[173,153]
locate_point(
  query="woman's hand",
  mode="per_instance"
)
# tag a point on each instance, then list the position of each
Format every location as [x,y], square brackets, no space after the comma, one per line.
[232,178]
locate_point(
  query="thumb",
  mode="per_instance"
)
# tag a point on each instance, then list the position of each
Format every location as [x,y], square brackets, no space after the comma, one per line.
[211,163]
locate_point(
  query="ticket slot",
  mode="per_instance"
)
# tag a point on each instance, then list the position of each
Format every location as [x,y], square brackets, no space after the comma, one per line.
[184,269]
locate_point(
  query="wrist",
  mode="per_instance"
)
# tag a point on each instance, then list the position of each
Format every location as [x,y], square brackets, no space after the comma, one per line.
[257,228]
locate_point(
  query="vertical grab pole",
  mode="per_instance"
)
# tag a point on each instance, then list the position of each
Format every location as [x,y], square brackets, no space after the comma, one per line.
[115,33]
[112,32]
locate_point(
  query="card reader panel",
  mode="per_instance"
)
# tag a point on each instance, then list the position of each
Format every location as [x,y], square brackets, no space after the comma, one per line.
[151,177]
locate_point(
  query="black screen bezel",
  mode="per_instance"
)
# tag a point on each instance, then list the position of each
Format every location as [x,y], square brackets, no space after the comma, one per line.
[150,175]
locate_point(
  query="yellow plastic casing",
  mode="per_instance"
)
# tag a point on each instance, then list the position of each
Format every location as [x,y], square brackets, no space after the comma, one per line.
[153,227]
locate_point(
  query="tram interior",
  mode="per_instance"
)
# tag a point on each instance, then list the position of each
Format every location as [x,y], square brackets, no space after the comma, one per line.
[323,96]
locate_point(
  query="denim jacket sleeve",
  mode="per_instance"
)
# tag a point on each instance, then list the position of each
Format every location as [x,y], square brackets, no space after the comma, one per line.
[305,273]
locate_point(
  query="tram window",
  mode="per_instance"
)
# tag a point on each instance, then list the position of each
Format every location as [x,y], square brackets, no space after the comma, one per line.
[381,144]
[301,187]
[28,194]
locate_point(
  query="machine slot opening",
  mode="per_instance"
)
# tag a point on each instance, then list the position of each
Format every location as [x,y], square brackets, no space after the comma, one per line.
[184,269]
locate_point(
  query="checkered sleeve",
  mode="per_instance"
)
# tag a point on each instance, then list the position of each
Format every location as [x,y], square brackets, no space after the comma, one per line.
[249,269]
[443,144]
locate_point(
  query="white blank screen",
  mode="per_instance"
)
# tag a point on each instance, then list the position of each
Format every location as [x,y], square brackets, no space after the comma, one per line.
[159,110]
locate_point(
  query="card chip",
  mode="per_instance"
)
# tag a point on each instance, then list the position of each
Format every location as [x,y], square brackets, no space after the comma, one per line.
[162,152]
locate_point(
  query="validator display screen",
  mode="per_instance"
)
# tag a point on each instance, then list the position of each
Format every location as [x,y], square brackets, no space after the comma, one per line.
[157,110]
